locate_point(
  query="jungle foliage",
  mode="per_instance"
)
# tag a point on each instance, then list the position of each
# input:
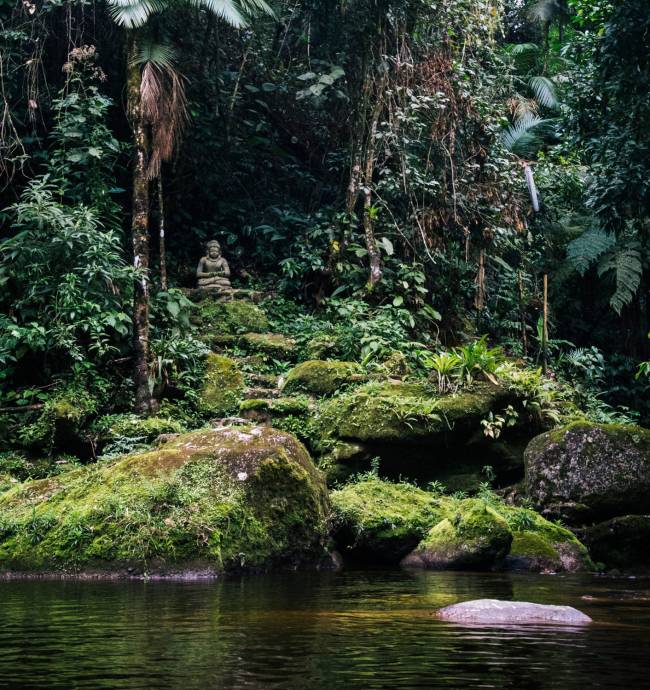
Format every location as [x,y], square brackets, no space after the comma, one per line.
[395,175]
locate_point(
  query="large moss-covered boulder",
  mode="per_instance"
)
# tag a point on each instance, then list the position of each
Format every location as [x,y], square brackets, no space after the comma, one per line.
[379,521]
[402,412]
[589,471]
[213,501]
[622,542]
[322,378]
[215,318]
[473,536]
[223,386]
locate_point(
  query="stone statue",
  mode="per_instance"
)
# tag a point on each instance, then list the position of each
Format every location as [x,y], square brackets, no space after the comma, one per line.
[213,272]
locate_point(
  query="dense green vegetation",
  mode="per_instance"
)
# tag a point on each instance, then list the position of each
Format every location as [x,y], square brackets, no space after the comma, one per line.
[437,216]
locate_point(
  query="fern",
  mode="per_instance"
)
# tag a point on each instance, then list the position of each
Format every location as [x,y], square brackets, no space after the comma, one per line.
[627,266]
[584,251]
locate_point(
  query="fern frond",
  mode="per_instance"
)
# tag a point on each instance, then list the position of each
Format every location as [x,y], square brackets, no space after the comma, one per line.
[585,250]
[627,266]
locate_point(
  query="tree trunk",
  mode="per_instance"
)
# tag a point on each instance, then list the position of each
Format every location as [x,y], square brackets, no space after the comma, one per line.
[161,234]
[368,220]
[139,231]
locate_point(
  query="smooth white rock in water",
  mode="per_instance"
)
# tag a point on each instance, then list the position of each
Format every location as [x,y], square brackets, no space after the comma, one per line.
[495,612]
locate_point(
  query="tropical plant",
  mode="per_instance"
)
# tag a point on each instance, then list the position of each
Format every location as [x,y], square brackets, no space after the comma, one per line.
[446,366]
[478,359]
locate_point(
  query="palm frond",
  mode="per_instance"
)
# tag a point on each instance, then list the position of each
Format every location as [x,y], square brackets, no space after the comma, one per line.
[156,53]
[627,267]
[545,10]
[524,136]
[524,48]
[164,104]
[585,250]
[545,91]
[132,14]
[228,10]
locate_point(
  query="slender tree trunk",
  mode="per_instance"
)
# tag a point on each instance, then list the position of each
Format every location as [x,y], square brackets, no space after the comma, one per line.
[139,231]
[545,328]
[368,220]
[161,234]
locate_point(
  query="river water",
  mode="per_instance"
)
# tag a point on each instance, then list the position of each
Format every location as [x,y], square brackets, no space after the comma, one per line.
[320,631]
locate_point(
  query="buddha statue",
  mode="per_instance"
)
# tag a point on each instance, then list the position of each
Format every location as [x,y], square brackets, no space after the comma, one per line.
[213,272]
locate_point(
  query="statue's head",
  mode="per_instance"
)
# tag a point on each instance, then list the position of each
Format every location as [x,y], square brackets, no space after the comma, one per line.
[213,249]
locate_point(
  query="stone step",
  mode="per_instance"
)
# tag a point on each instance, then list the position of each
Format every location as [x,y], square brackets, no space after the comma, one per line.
[263,380]
[260,393]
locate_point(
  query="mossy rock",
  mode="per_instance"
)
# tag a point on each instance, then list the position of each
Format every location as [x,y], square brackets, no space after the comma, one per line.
[219,319]
[585,472]
[278,406]
[411,413]
[322,378]
[223,386]
[621,543]
[473,536]
[132,427]
[273,344]
[379,521]
[341,460]
[216,501]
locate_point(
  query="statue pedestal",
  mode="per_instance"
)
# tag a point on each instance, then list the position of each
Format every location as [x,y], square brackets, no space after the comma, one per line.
[218,295]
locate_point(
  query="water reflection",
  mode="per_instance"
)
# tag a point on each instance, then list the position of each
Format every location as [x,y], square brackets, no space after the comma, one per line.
[318,631]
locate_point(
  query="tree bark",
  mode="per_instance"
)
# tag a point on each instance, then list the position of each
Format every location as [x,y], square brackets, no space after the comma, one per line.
[139,231]
[161,234]
[368,221]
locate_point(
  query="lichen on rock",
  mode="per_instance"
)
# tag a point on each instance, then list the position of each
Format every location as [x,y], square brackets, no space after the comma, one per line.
[590,471]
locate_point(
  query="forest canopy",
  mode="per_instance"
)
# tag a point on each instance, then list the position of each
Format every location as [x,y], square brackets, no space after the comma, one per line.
[390,176]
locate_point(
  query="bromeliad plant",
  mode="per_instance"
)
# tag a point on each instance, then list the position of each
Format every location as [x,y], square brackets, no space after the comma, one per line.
[477,359]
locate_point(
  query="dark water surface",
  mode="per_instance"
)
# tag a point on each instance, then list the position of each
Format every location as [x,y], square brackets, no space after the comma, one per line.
[322,631]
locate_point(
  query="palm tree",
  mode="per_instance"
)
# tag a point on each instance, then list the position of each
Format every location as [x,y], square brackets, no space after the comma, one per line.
[151,83]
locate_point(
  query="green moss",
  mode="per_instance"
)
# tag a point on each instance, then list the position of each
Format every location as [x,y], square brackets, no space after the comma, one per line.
[229,318]
[227,498]
[472,535]
[223,386]
[130,426]
[322,378]
[408,412]
[273,344]
[533,545]
[382,521]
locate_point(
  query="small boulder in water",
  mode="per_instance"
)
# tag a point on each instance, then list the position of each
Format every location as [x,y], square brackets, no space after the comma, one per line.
[495,612]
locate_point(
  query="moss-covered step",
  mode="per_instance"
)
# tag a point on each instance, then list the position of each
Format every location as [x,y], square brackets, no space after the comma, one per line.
[265,410]
[274,345]
[322,378]
[217,320]
[211,501]
[402,412]
[223,386]
[386,522]
[586,472]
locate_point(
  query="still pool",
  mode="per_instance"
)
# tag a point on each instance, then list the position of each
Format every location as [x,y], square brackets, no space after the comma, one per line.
[320,631]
